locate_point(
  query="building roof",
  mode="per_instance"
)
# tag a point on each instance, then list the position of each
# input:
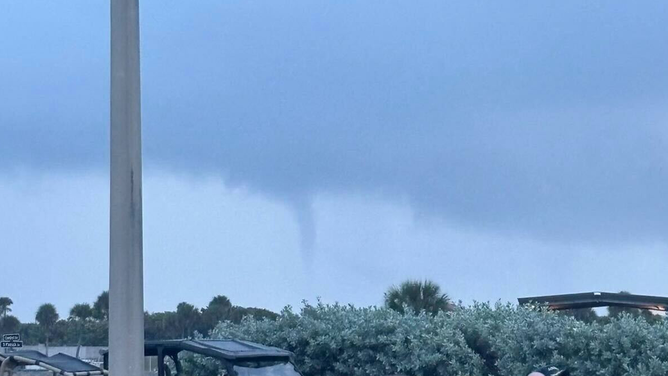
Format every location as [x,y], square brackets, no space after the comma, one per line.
[598,299]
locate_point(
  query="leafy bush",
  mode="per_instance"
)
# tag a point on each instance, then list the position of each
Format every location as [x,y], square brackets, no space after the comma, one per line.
[503,340]
[332,340]
[626,346]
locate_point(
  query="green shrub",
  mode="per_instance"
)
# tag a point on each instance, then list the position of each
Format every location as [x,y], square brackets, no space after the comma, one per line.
[480,340]
[625,346]
[332,340]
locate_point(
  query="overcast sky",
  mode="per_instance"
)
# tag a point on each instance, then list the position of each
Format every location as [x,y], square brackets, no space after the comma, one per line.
[309,148]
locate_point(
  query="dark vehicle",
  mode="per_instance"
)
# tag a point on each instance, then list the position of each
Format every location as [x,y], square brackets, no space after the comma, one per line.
[59,364]
[237,358]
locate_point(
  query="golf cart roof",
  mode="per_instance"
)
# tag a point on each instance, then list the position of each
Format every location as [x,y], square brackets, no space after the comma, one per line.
[598,299]
[59,363]
[228,349]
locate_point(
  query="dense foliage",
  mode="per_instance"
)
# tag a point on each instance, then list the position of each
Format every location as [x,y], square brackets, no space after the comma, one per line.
[438,340]
[504,340]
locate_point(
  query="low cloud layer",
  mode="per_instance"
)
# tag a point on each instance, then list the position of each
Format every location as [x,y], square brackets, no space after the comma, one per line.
[546,120]
[202,239]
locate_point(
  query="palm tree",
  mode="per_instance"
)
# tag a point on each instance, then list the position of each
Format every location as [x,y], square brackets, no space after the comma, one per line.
[80,313]
[101,307]
[219,309]
[220,301]
[5,303]
[418,295]
[9,324]
[46,317]
[186,316]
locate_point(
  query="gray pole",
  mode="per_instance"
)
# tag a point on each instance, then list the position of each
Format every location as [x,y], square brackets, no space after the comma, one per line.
[126,286]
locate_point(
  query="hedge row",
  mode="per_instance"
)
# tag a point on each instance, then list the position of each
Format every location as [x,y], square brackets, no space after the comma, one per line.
[503,340]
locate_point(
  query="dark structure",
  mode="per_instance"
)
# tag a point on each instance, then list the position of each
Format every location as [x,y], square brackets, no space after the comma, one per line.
[598,299]
[228,349]
[59,364]
[237,357]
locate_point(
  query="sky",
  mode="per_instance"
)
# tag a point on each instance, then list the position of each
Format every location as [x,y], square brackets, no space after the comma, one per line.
[305,149]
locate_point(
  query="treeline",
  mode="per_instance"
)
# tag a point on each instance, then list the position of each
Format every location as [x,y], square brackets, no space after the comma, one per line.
[88,324]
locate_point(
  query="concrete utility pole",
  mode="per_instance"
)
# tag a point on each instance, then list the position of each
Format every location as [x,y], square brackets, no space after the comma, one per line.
[126,285]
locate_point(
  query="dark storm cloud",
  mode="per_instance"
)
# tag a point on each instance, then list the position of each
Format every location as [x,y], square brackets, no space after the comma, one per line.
[543,118]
